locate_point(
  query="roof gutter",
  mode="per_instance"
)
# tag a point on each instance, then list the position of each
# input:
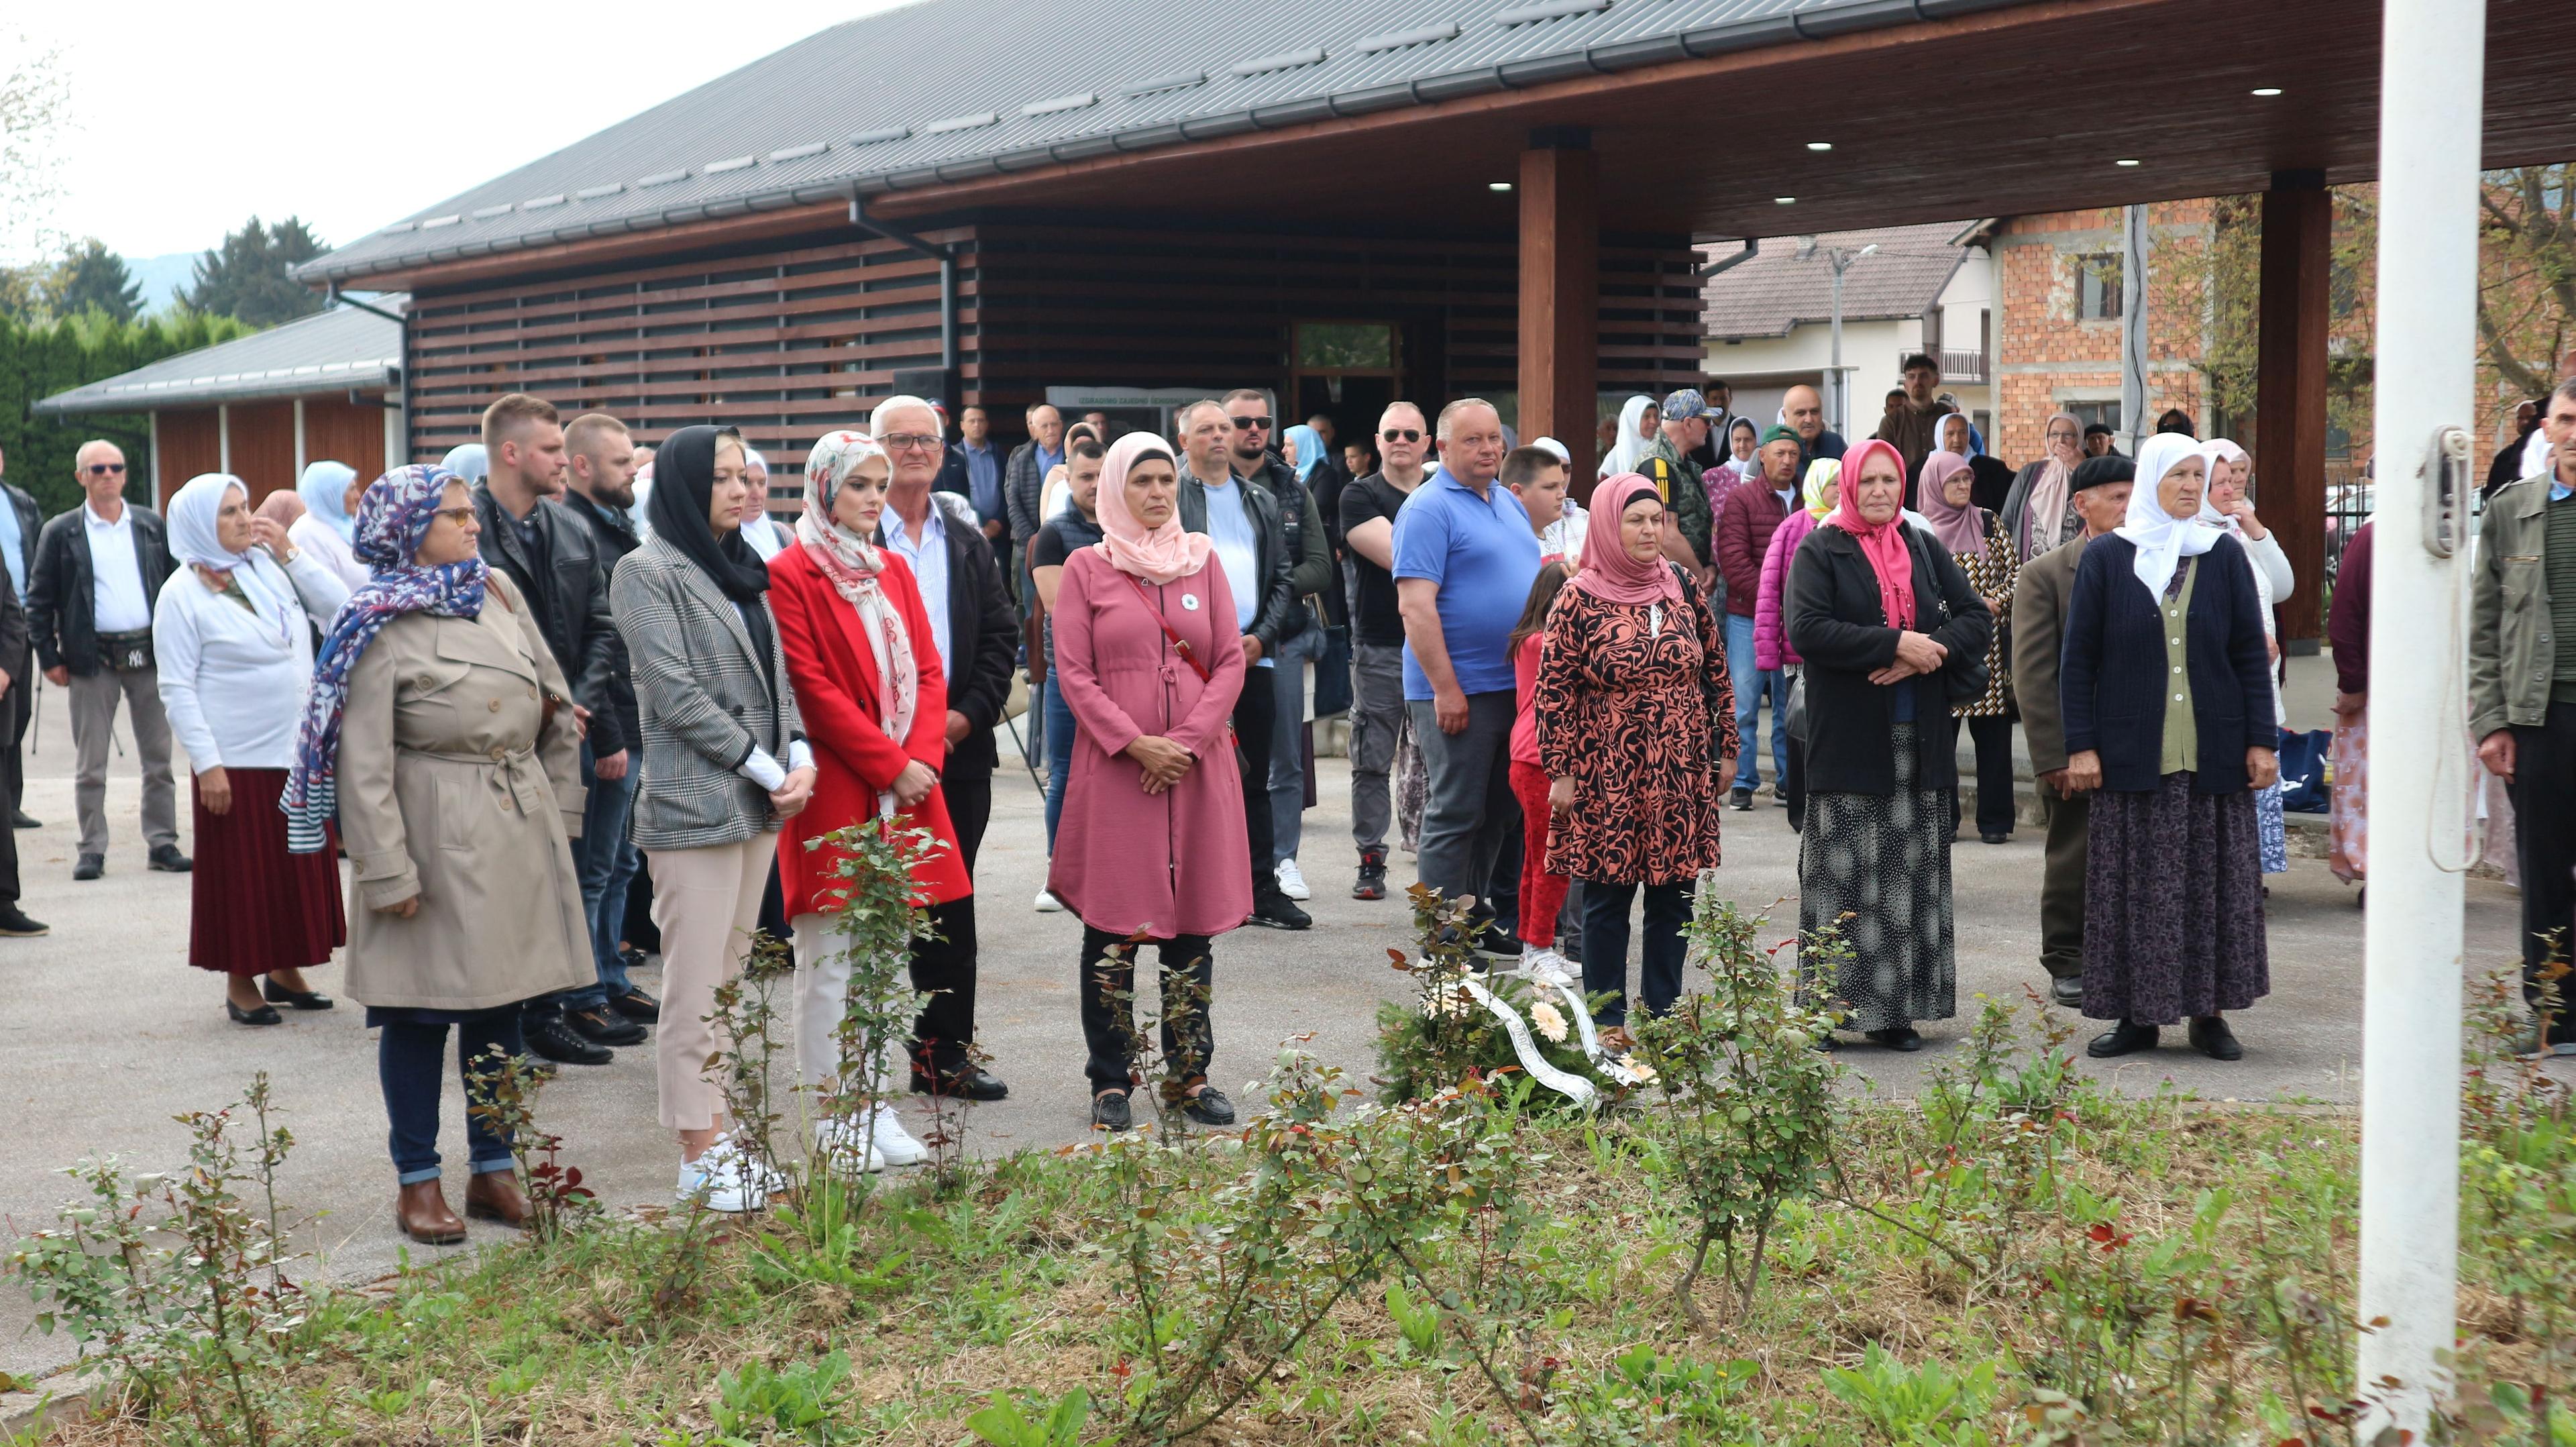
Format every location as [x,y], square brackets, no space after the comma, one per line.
[1524,74]
[402,349]
[941,252]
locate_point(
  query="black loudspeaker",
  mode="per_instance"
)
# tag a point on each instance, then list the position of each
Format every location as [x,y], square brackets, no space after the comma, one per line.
[932,384]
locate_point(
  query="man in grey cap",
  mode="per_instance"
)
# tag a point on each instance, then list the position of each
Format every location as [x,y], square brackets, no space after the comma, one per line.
[1667,466]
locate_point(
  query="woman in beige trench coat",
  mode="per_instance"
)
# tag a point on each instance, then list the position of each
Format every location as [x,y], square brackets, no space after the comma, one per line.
[439,723]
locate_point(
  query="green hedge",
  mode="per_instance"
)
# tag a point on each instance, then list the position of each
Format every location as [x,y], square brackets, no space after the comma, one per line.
[37,361]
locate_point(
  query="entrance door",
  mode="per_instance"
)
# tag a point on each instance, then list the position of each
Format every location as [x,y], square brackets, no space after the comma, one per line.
[1347,371]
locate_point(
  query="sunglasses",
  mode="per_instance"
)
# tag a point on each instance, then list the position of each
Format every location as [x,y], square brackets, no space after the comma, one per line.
[457,515]
[1402,434]
[1253,424]
[103,469]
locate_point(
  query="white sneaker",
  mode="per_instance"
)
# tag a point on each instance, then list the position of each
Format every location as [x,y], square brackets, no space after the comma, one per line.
[1292,882]
[1546,966]
[727,1179]
[839,1143]
[893,1144]
[1048,903]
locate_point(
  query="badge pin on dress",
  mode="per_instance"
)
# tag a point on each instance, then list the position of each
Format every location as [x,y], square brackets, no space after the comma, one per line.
[1190,602]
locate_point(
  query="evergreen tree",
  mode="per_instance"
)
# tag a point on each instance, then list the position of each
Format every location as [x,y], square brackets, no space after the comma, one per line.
[246,277]
[93,276]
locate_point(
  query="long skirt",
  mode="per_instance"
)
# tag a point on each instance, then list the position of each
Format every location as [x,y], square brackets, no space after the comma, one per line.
[2173,916]
[2348,799]
[2272,828]
[255,907]
[1876,869]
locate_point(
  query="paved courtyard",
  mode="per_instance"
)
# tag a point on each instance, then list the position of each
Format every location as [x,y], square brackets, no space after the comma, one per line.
[109,1033]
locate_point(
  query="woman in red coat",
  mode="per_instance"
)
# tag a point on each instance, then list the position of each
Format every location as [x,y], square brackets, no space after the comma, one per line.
[865,667]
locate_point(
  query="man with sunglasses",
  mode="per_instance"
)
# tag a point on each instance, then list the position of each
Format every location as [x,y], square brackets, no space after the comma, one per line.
[1301,635]
[98,568]
[1368,509]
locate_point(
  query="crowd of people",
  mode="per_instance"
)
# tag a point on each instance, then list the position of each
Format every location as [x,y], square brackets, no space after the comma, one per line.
[560,698]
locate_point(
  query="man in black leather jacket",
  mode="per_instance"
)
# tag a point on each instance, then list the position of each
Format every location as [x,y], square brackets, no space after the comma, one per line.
[529,535]
[19,706]
[1311,589]
[1272,612]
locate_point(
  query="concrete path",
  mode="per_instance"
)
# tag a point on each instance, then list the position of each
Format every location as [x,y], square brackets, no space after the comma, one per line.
[108,1033]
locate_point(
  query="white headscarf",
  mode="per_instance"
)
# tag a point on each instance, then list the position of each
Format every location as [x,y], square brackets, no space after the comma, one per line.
[1629,452]
[196,541]
[2213,452]
[2162,539]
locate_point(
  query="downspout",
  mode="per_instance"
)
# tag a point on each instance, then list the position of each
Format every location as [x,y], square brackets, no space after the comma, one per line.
[1752,248]
[943,253]
[402,324]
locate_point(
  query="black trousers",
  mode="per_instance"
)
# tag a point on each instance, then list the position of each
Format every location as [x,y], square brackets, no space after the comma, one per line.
[13,774]
[21,706]
[944,969]
[1252,729]
[1793,784]
[1605,944]
[1188,965]
[1993,736]
[969,792]
[2544,843]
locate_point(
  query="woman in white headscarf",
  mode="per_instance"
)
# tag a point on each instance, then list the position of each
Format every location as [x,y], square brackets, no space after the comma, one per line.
[766,534]
[330,491]
[1639,425]
[233,636]
[468,461]
[2225,506]
[2167,695]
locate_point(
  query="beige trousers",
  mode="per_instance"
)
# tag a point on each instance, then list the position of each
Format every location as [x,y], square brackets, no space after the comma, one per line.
[706,903]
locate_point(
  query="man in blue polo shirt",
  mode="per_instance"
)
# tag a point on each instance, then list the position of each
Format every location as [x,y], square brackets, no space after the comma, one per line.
[1464,561]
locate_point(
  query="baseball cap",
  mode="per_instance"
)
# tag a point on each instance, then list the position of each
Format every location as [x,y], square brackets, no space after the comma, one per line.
[1685,404]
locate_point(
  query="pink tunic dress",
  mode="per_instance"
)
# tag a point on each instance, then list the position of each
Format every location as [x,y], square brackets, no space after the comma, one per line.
[1168,864]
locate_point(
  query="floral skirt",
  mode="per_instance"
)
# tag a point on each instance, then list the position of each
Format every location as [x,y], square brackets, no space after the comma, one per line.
[2273,829]
[2173,912]
[1876,868]
[2348,799]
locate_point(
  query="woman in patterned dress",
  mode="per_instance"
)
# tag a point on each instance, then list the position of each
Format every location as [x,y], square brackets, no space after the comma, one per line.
[1984,551]
[1634,708]
[2167,689]
[1884,619]
[2226,505]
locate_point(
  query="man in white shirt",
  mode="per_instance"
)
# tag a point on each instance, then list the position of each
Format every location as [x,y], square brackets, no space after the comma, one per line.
[98,569]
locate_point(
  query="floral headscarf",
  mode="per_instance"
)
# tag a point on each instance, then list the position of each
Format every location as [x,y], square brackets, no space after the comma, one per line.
[393,517]
[1822,473]
[853,565]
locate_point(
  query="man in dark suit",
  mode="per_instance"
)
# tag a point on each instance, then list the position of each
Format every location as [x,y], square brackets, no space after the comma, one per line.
[98,569]
[14,923]
[1024,488]
[20,525]
[2101,491]
[978,634]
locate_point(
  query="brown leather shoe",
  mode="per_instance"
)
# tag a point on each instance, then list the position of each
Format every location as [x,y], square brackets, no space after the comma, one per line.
[421,1211]
[495,1196]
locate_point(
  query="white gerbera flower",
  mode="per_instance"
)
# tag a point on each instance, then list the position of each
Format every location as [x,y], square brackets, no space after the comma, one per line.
[1548,1021]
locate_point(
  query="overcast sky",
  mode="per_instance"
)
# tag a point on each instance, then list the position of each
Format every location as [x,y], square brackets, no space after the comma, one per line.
[190,118]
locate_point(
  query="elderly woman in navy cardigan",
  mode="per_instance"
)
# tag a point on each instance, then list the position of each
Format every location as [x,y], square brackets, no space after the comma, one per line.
[2167,691]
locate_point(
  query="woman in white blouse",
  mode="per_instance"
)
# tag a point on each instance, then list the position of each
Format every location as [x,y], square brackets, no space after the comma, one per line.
[233,633]
[329,526]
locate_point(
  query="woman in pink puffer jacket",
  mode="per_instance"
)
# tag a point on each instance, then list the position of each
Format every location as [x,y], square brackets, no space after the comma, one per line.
[1770,641]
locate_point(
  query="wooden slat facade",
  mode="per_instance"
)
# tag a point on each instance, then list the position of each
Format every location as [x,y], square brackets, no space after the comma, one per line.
[788,340]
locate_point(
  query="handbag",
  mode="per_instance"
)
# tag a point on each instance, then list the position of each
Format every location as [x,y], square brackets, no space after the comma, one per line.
[2303,770]
[1963,680]
[1796,712]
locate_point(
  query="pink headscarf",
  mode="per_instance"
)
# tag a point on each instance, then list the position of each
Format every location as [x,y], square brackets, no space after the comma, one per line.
[1883,544]
[1157,555]
[1609,574]
[1959,528]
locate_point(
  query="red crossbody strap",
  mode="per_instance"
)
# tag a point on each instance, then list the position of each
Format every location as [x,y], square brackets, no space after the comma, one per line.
[1188,654]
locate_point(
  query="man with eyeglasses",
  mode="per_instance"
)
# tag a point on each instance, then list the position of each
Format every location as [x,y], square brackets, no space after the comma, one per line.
[20,525]
[1368,510]
[98,568]
[1301,637]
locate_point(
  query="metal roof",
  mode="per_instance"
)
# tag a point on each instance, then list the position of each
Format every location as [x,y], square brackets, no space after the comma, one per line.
[330,351]
[1773,291]
[939,91]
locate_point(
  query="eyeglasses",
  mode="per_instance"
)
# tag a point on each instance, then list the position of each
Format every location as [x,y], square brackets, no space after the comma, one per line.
[457,515]
[909,441]
[103,469]
[1253,424]
[1402,434]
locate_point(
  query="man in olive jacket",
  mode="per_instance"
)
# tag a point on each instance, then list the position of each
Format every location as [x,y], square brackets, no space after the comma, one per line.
[2101,489]
[2522,698]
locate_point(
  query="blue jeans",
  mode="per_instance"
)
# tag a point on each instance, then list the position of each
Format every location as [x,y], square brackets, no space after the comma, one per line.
[1751,682]
[1288,743]
[1059,749]
[606,861]
[407,1068]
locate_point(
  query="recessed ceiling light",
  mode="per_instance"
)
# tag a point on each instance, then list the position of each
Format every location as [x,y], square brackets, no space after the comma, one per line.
[1498,185]
[1820,145]
[2124,163]
[1784,200]
[2267,90]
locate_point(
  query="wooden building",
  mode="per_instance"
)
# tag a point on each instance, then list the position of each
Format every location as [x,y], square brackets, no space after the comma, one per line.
[262,406]
[1347,199]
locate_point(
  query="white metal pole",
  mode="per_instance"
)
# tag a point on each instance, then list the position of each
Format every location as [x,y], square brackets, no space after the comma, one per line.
[1842,419]
[2432,57]
[2133,324]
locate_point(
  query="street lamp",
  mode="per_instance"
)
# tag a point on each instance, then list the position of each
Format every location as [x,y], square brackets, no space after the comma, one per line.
[1840,259]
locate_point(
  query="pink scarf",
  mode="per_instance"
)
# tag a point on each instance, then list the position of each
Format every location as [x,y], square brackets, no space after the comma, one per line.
[1158,555]
[1959,528]
[1609,574]
[2048,495]
[1884,543]
[853,564]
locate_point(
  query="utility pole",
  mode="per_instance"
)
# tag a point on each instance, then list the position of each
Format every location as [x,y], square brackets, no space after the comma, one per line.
[2133,324]
[1837,386]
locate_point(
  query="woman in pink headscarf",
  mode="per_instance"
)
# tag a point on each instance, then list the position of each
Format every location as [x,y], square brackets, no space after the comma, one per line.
[1151,840]
[1636,727]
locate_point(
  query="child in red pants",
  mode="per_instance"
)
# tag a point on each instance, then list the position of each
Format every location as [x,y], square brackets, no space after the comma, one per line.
[1542,893]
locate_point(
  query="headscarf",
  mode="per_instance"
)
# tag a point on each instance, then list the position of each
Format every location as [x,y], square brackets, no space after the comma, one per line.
[1608,573]
[2162,539]
[1727,449]
[1822,473]
[323,486]
[679,512]
[1941,427]
[1157,555]
[2213,452]
[1629,452]
[393,517]
[852,563]
[469,462]
[2047,502]
[1310,449]
[196,540]
[1883,544]
[1553,448]
[1958,528]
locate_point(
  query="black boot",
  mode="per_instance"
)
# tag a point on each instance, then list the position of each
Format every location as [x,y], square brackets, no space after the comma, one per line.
[2125,1038]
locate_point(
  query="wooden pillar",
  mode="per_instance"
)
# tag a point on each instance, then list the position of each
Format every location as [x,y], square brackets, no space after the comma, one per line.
[1560,293]
[2290,390]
